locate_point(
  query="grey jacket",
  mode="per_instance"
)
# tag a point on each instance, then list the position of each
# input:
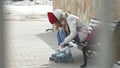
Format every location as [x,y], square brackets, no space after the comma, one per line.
[76,27]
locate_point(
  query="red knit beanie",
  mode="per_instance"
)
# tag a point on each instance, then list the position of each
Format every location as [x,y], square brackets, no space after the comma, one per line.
[52,18]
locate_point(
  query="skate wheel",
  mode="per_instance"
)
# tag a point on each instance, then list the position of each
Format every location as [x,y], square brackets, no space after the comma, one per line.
[51,58]
[56,61]
[61,61]
[71,61]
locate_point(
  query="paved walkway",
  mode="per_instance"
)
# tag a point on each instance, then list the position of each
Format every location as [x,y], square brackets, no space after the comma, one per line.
[29,46]
[25,49]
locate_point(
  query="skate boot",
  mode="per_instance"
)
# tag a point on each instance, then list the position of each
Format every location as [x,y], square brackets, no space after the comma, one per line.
[64,56]
[59,57]
[53,56]
[68,58]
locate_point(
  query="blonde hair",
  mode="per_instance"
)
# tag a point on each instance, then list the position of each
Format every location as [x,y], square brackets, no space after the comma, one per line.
[61,23]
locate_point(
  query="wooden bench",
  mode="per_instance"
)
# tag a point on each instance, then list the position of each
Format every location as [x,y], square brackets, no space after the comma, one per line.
[93,22]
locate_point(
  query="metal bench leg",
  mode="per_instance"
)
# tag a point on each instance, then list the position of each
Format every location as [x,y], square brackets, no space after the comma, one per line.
[84,50]
[50,29]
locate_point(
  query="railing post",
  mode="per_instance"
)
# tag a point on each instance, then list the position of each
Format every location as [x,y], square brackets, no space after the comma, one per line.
[105,57]
[2,35]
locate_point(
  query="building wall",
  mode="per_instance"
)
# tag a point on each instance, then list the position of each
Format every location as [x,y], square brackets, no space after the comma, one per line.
[85,9]
[117,10]
[77,7]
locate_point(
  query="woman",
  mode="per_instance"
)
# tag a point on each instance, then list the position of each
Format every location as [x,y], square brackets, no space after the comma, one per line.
[69,27]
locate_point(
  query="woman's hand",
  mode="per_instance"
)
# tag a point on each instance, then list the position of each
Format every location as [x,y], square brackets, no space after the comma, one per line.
[62,44]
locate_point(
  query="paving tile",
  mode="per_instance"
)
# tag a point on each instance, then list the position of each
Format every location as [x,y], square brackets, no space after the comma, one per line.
[27,50]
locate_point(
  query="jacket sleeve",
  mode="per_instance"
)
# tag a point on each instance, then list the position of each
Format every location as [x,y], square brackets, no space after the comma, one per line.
[73,30]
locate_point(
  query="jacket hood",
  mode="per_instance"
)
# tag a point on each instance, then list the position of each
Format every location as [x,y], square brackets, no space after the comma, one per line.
[58,13]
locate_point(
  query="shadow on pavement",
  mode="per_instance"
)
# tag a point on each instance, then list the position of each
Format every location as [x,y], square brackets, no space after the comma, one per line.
[51,40]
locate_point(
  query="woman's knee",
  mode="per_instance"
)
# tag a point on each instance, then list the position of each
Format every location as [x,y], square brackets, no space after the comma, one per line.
[61,31]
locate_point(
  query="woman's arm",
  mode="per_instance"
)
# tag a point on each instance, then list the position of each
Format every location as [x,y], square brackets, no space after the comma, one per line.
[73,30]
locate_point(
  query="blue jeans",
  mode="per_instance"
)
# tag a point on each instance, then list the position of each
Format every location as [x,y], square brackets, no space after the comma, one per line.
[61,35]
